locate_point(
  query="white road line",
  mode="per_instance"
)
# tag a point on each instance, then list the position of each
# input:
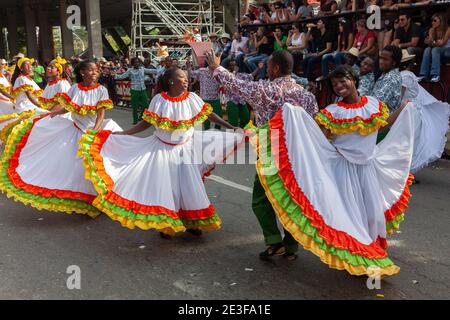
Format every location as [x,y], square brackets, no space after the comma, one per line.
[230,183]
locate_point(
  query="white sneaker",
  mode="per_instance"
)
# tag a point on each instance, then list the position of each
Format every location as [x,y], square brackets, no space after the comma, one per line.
[420,78]
[435,79]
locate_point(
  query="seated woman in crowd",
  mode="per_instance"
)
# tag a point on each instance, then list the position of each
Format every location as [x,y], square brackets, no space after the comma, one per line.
[345,43]
[264,46]
[300,10]
[297,43]
[388,17]
[438,43]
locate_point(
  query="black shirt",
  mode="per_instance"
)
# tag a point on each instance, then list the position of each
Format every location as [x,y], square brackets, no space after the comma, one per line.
[406,36]
[320,41]
[266,48]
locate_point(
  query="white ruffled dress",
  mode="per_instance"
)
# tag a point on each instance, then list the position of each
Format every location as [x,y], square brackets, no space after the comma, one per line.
[47,99]
[339,199]
[157,182]
[23,107]
[432,122]
[40,166]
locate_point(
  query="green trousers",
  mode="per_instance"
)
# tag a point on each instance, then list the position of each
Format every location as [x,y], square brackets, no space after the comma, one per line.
[217,109]
[238,114]
[139,102]
[382,133]
[267,219]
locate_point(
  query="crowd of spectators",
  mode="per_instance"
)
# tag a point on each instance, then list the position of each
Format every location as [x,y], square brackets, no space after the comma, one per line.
[325,35]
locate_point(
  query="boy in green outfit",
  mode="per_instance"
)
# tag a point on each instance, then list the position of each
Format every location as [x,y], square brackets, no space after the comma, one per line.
[139,97]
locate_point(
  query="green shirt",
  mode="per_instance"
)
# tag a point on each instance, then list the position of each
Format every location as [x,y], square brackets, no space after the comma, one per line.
[36,77]
[277,47]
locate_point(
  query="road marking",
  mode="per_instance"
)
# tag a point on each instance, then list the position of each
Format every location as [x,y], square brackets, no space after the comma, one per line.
[230,183]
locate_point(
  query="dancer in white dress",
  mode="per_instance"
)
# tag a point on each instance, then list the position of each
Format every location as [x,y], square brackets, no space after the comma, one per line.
[339,199]
[156,182]
[7,107]
[57,82]
[26,93]
[432,118]
[40,167]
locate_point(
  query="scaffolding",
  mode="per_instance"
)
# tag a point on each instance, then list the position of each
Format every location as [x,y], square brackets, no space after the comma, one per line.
[169,21]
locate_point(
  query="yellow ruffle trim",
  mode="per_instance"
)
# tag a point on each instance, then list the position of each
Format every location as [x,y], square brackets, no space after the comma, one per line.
[308,243]
[24,88]
[339,129]
[39,206]
[5,132]
[163,227]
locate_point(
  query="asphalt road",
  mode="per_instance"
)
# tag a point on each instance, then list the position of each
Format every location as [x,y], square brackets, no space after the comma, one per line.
[36,248]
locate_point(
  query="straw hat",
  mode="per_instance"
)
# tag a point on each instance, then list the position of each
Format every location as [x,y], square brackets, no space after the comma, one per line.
[225,35]
[406,56]
[354,52]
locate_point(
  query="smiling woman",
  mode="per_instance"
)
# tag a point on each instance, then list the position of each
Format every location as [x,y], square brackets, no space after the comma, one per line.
[340,199]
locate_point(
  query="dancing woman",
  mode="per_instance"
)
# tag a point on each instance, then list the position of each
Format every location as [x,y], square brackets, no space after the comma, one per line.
[431,121]
[26,93]
[39,166]
[157,182]
[58,81]
[339,199]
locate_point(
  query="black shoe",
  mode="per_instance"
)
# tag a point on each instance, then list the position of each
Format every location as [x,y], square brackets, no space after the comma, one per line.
[272,250]
[165,236]
[195,232]
[290,256]
[415,181]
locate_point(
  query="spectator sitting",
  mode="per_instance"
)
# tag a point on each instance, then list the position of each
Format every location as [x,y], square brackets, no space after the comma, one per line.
[301,10]
[225,40]
[323,43]
[297,44]
[249,51]
[411,3]
[388,16]
[280,40]
[366,77]
[281,13]
[350,59]
[39,74]
[216,45]
[264,46]
[388,87]
[345,42]
[237,49]
[364,41]
[438,42]
[407,35]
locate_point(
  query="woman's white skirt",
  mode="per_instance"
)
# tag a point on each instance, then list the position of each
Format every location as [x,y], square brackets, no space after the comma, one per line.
[339,210]
[152,184]
[40,166]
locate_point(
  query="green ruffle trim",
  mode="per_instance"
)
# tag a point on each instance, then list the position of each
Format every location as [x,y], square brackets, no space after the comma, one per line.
[364,128]
[295,213]
[167,124]
[37,201]
[394,225]
[128,216]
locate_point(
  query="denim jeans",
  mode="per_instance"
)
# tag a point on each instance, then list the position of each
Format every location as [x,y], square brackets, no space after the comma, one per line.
[308,66]
[227,60]
[326,59]
[432,58]
[253,61]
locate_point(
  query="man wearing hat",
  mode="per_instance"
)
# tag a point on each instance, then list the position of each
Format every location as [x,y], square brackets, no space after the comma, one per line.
[225,40]
[350,59]
[238,47]
[216,45]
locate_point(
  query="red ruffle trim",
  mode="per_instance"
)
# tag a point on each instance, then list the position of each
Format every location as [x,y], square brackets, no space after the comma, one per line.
[17,181]
[368,120]
[78,107]
[331,236]
[357,105]
[82,88]
[402,203]
[180,98]
[176,122]
[111,196]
